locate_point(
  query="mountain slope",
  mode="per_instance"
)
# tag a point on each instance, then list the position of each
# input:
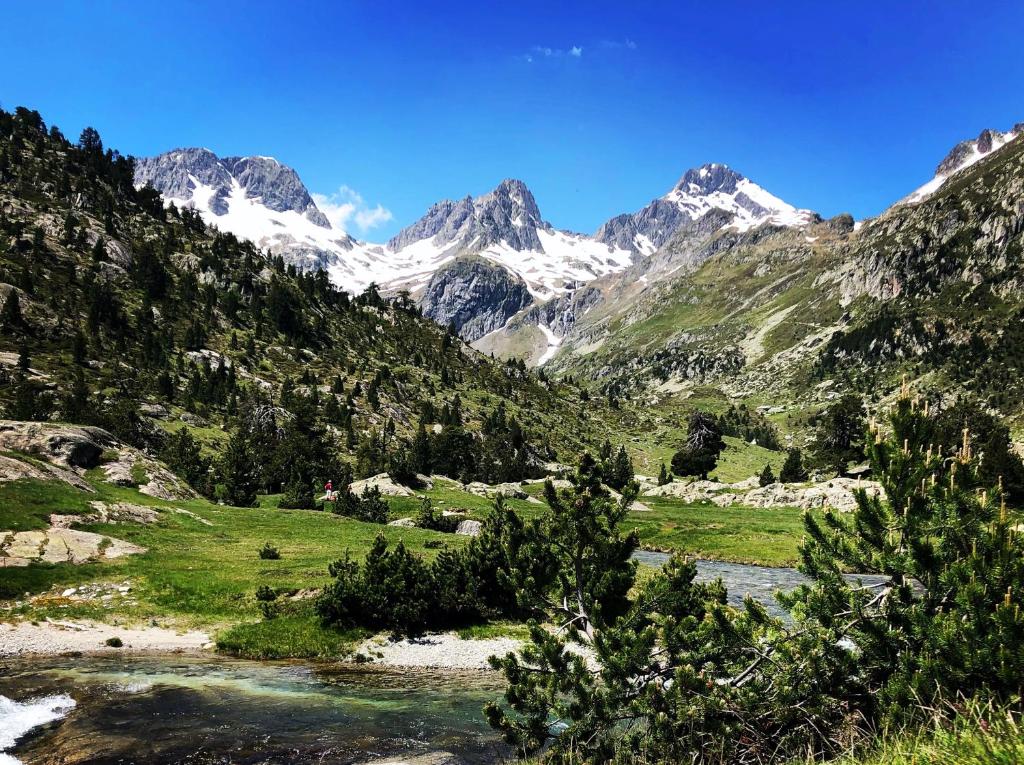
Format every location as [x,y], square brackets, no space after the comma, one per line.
[118,311]
[790,316]
[962,156]
[711,209]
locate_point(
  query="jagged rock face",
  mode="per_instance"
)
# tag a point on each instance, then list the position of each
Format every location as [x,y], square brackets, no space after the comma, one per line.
[970,230]
[701,191]
[657,222]
[508,215]
[475,296]
[276,186]
[960,154]
[561,314]
[262,200]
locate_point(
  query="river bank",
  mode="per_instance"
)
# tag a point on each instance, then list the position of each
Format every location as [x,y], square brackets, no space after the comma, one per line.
[443,651]
[56,638]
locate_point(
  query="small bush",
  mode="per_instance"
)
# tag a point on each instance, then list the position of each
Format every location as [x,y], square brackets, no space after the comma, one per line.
[269,552]
[265,594]
[113,642]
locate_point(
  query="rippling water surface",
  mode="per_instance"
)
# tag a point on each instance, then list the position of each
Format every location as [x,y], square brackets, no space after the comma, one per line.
[741,579]
[208,710]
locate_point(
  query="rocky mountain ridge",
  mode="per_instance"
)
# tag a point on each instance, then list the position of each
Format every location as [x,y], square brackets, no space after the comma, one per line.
[262,200]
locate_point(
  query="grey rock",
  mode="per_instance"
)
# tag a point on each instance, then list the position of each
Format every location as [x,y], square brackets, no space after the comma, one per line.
[73,446]
[508,215]
[275,185]
[475,296]
[469,528]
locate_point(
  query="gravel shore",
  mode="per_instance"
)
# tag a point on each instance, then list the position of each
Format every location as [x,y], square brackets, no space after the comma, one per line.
[54,638]
[441,651]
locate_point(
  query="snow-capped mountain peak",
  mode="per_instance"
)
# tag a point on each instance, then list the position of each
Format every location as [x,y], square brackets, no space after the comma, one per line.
[503,226]
[177,174]
[709,187]
[716,186]
[255,198]
[962,156]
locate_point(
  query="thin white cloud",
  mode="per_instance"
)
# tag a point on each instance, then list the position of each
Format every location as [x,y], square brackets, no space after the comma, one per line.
[543,51]
[627,43]
[347,206]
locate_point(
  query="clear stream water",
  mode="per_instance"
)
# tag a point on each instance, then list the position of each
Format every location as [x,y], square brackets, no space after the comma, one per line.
[200,710]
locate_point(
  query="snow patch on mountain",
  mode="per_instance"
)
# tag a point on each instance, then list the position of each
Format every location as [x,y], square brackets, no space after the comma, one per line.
[554,342]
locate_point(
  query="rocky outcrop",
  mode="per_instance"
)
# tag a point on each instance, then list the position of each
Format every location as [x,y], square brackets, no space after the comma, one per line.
[475,296]
[75,446]
[837,493]
[508,490]
[66,451]
[60,545]
[12,469]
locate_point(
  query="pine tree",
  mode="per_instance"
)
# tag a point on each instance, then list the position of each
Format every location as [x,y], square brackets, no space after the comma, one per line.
[767,477]
[620,472]
[946,622]
[237,471]
[79,347]
[10,316]
[421,452]
[664,477]
[793,470]
[704,443]
[839,439]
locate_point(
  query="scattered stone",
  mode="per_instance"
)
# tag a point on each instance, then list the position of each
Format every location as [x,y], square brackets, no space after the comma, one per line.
[509,490]
[469,528]
[406,523]
[836,493]
[429,758]
[193,420]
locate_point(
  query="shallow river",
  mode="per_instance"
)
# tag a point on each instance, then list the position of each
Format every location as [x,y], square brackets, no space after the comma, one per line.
[211,710]
[199,710]
[740,579]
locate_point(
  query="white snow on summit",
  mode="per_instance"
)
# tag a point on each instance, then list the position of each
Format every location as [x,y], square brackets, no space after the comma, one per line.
[751,204]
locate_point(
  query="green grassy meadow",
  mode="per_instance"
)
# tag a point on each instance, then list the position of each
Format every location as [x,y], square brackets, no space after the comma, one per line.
[202,567]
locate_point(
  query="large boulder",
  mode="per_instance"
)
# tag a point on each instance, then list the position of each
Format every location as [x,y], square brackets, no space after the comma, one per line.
[381,481]
[70,445]
[469,528]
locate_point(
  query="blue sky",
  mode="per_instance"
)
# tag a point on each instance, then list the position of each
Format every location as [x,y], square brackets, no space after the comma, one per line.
[599,107]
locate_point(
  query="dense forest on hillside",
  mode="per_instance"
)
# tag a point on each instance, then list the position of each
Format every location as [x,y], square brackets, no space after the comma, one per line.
[243,373]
